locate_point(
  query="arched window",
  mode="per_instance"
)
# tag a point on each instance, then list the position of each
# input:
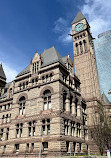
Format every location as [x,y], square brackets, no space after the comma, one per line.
[27,84]
[85,45]
[51,77]
[6,118]
[77,49]
[47,100]
[64,100]
[22,102]
[10,92]
[3,117]
[23,85]
[71,97]
[81,47]
[20,86]
[32,82]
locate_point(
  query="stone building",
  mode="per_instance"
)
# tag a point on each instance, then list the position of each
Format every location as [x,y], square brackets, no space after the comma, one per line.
[86,70]
[42,110]
[85,63]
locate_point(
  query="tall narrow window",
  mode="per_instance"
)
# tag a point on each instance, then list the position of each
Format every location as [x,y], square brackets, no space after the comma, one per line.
[7,133]
[3,119]
[77,49]
[81,47]
[35,67]
[71,104]
[1,134]
[16,148]
[31,128]
[10,92]
[85,45]
[22,105]
[45,146]
[47,100]
[19,129]
[46,127]
[64,100]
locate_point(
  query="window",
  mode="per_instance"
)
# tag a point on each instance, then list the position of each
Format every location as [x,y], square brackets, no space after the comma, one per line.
[36,80]
[1,134]
[10,92]
[27,147]
[3,119]
[22,106]
[32,82]
[76,108]
[81,47]
[71,104]
[64,100]
[16,148]
[45,146]
[51,77]
[43,79]
[78,130]
[4,148]
[47,100]
[77,49]
[31,128]
[20,86]
[32,147]
[46,127]
[27,84]
[47,78]
[72,128]
[35,67]
[19,129]
[85,45]
[23,85]
[66,127]
[7,133]
[67,146]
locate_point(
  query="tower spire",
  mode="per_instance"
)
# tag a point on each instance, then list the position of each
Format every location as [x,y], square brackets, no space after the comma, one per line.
[78,17]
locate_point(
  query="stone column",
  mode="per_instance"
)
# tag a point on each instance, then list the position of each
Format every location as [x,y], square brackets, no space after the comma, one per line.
[38,130]
[4,134]
[77,148]
[73,108]
[67,104]
[69,128]
[75,132]
[71,147]
[22,148]
[79,110]
[83,148]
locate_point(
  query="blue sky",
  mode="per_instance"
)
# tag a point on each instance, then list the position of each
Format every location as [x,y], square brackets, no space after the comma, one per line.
[30,25]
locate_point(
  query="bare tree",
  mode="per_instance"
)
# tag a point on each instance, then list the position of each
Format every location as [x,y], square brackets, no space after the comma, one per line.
[101,129]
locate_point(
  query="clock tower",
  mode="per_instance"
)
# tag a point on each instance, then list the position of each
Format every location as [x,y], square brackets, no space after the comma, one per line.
[85,63]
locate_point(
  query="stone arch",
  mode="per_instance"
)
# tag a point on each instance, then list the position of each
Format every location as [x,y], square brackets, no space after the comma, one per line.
[22,95]
[47,88]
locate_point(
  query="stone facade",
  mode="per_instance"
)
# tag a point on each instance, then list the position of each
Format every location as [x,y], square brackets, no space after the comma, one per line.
[42,110]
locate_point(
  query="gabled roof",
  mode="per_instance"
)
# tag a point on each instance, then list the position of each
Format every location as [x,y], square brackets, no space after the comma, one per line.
[48,57]
[78,17]
[24,71]
[2,74]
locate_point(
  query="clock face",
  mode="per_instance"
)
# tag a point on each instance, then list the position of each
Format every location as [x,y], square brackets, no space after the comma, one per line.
[79,27]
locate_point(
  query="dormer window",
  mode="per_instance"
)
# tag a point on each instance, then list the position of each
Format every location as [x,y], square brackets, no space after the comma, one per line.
[35,67]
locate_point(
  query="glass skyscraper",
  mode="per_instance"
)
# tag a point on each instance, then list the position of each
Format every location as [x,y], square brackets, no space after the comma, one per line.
[102,47]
